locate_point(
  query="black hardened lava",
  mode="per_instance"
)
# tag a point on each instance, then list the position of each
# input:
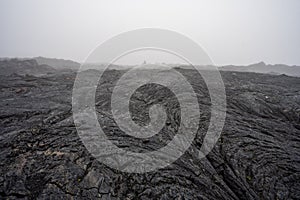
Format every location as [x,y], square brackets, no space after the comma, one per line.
[256,157]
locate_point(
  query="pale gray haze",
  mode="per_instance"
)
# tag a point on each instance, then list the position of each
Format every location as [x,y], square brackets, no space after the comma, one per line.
[231,32]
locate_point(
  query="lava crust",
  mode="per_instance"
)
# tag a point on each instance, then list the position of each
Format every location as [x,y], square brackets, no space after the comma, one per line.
[256,157]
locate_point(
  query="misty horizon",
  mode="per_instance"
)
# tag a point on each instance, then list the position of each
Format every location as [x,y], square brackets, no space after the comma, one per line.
[145,61]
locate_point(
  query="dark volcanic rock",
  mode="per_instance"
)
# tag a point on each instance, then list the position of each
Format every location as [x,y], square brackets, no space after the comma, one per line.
[257,156]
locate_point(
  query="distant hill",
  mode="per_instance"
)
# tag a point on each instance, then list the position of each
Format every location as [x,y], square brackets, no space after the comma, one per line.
[23,67]
[42,65]
[265,68]
[58,63]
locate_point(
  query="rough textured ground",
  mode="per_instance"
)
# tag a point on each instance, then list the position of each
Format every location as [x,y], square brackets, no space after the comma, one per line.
[257,156]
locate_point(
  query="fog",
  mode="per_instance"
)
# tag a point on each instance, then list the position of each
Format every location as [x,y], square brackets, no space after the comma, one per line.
[231,32]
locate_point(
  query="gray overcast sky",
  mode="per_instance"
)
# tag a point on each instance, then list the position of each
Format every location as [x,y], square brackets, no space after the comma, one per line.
[231,31]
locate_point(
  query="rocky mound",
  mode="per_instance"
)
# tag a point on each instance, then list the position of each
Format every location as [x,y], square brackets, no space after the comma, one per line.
[23,67]
[58,63]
